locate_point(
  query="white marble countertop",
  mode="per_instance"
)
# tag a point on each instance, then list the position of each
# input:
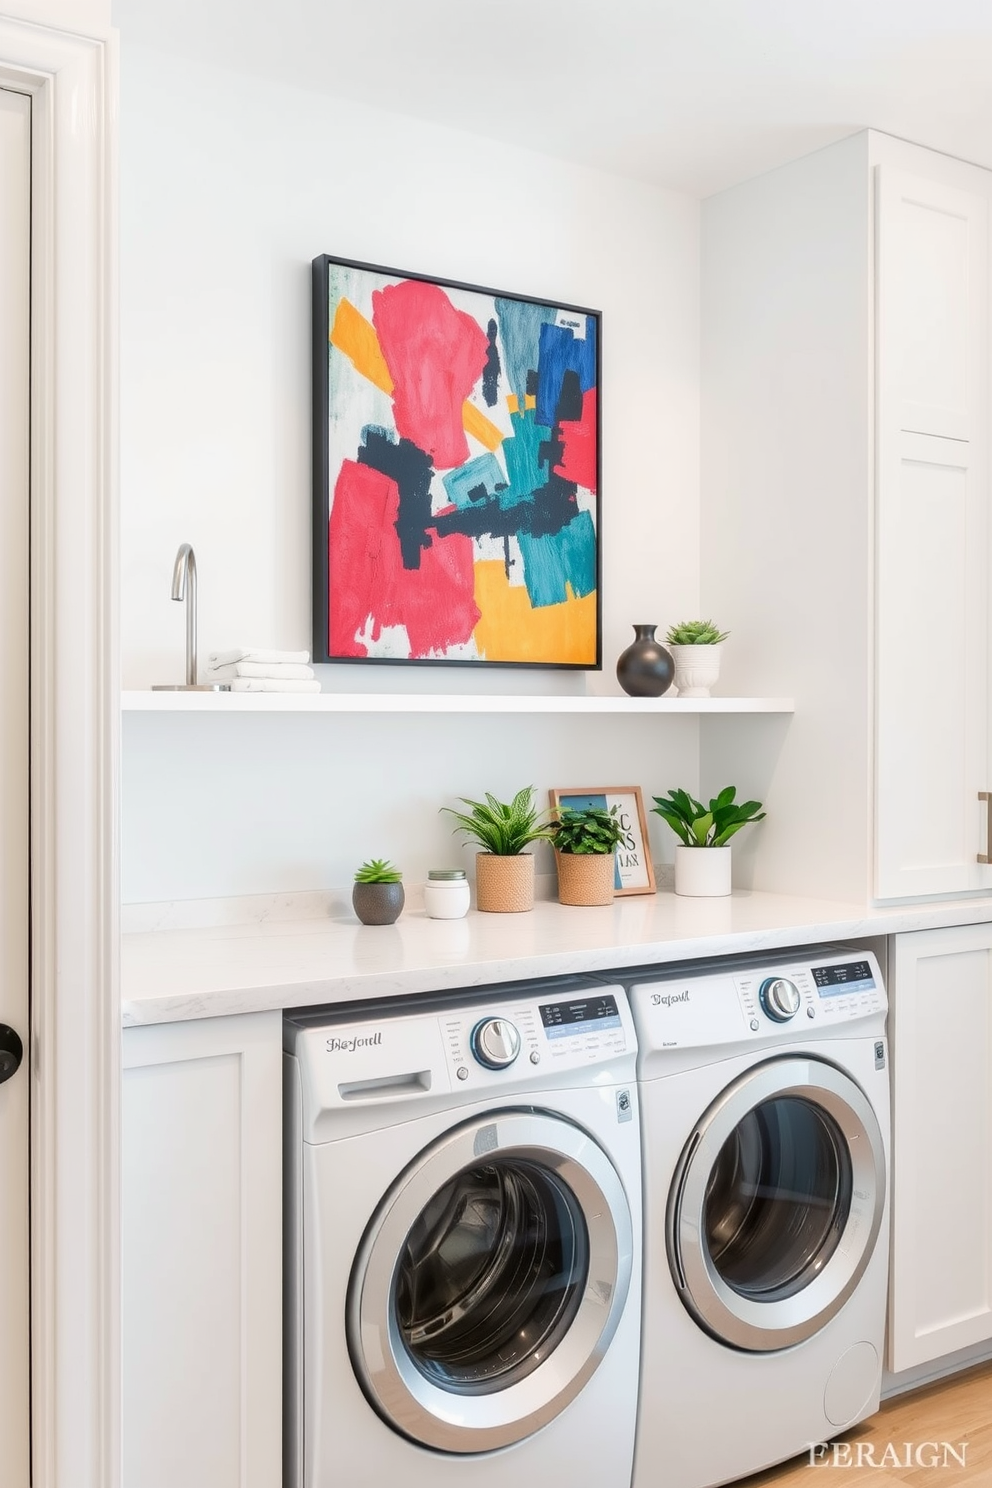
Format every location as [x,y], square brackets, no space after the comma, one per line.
[269,959]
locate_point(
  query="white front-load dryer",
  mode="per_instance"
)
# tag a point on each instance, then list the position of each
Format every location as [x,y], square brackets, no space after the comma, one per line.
[463,1241]
[765,1109]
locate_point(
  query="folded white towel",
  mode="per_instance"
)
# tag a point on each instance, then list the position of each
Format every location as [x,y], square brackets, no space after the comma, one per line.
[268,684]
[277,671]
[290,658]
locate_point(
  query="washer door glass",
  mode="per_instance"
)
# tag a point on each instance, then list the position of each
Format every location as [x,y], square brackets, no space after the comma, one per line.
[492,1274]
[777,1204]
[490,1282]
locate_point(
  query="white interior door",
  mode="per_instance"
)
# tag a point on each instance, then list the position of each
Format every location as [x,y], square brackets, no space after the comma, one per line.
[15,226]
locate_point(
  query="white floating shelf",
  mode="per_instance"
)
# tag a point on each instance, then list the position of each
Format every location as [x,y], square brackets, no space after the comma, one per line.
[377,702]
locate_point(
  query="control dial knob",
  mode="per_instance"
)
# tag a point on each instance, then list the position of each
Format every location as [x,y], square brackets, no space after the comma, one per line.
[779,998]
[495,1043]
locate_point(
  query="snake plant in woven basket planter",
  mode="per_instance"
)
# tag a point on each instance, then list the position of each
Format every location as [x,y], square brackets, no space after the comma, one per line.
[585,843]
[504,871]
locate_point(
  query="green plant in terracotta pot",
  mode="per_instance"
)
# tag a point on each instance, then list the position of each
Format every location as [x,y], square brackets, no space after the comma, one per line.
[504,871]
[702,859]
[585,842]
[377,896]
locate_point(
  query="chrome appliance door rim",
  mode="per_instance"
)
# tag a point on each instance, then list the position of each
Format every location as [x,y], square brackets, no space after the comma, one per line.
[404,1396]
[743,1322]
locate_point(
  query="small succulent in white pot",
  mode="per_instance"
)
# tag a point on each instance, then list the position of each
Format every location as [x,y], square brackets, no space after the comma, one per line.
[695,647]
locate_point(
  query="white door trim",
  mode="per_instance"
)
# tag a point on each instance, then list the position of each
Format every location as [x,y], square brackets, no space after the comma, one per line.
[15,1093]
[75,1019]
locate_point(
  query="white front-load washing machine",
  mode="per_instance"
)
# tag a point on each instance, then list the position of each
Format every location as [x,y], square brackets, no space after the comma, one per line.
[463,1222]
[765,1125]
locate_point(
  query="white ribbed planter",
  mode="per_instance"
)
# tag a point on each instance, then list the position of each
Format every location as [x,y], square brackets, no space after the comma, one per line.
[696,669]
[702,872]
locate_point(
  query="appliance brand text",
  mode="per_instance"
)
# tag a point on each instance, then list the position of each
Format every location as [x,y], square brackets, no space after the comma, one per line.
[357,1041]
[658,1000]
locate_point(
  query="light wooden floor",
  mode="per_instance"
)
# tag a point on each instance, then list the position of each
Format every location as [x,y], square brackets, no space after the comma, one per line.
[956,1410]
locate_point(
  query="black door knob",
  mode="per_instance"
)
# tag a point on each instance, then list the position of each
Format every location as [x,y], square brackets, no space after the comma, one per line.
[11,1052]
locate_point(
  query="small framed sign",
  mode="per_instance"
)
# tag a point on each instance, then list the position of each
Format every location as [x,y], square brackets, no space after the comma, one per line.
[634,869]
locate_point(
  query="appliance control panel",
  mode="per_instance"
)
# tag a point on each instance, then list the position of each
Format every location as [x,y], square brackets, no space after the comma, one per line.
[552,1033]
[508,1038]
[756,999]
[832,990]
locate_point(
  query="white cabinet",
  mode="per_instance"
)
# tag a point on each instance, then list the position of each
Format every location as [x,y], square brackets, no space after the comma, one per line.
[940,985]
[202,1254]
[933,555]
[845,489]
[931,300]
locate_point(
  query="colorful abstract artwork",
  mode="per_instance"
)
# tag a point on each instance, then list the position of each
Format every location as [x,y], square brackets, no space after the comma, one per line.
[456,473]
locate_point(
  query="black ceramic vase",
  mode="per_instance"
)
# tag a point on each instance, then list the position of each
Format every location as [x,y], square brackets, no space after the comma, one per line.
[646,668]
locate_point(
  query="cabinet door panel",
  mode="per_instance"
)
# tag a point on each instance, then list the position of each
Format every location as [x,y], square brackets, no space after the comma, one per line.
[931,666]
[941,1300]
[932,549]
[931,283]
[201,1250]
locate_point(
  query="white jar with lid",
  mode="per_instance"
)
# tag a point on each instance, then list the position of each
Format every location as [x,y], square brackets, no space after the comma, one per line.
[446,893]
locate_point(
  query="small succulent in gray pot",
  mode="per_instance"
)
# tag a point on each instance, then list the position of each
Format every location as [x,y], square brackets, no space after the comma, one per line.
[377,897]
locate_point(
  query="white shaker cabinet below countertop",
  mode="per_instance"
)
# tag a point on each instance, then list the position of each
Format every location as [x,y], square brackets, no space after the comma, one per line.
[940,1028]
[201,1201]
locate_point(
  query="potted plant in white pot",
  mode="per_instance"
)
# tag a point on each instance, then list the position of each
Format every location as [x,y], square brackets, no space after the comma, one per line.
[585,843]
[377,896]
[504,872]
[702,860]
[695,647]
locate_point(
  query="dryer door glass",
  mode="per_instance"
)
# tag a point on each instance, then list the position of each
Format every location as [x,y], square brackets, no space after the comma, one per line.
[778,1198]
[776,1204]
[490,1282]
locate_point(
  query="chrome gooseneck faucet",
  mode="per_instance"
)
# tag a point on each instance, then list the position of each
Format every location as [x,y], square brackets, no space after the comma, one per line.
[184,587]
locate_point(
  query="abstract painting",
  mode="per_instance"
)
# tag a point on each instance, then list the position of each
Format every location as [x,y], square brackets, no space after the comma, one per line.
[456,473]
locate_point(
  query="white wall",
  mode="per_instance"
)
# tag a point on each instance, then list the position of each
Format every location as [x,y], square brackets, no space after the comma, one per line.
[255,803]
[229,187]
